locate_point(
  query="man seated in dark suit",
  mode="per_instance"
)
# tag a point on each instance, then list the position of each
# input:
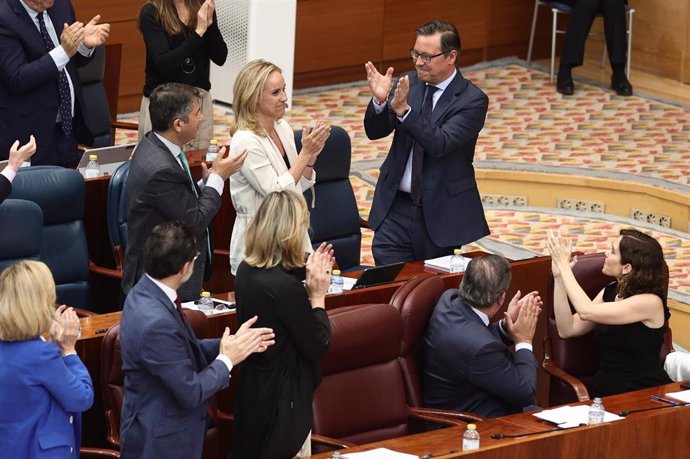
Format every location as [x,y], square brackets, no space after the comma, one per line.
[17,156]
[169,374]
[426,201]
[467,364]
[160,187]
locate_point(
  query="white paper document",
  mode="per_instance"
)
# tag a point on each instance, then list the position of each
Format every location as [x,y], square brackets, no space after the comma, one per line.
[568,416]
[683,395]
[348,283]
[378,453]
[442,263]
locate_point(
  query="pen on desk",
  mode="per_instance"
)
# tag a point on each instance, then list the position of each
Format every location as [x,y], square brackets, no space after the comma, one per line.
[663,400]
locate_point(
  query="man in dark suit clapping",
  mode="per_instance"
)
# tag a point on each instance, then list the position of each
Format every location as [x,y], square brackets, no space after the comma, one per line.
[467,364]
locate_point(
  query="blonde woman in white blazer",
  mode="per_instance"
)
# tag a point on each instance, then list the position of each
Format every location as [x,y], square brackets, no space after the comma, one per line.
[272,163]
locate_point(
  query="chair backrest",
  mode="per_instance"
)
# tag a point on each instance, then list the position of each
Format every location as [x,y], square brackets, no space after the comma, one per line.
[361,398]
[117,212]
[95,99]
[22,224]
[59,192]
[415,301]
[335,217]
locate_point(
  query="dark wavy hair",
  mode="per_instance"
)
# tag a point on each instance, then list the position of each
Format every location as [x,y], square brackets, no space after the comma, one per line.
[649,269]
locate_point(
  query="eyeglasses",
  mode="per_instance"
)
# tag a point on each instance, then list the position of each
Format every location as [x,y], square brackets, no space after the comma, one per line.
[414,54]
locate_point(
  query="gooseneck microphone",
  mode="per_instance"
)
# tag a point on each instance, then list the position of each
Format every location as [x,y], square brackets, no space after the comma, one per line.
[627,412]
[499,436]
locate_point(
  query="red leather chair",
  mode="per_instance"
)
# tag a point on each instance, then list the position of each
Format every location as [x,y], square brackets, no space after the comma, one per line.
[362,396]
[215,443]
[415,301]
[572,362]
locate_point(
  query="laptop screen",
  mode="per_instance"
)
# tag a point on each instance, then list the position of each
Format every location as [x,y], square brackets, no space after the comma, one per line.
[109,158]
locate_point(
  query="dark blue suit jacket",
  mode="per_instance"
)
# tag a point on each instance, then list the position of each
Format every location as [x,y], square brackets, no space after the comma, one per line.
[453,210]
[168,378]
[29,99]
[5,188]
[42,397]
[468,367]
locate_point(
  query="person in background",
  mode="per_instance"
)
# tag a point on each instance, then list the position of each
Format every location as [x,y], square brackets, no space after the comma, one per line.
[573,52]
[17,157]
[181,38]
[40,92]
[467,364]
[273,163]
[170,375]
[45,386]
[160,187]
[426,201]
[630,315]
[273,402]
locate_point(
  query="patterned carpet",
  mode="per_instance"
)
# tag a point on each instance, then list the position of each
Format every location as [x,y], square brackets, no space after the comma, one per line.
[529,125]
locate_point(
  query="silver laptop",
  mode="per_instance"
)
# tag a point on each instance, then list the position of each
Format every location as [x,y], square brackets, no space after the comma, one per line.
[109,158]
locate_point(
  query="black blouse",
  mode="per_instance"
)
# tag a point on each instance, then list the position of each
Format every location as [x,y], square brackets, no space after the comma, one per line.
[165,54]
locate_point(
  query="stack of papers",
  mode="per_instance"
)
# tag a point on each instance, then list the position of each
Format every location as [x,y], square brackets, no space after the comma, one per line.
[442,263]
[683,395]
[378,453]
[568,416]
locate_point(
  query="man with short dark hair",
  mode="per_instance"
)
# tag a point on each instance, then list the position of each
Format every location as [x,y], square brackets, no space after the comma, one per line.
[160,187]
[169,374]
[426,201]
[467,364]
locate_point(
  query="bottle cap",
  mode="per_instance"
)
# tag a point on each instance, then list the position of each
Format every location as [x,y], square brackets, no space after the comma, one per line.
[206,294]
[93,157]
[213,142]
[471,426]
[336,272]
[457,252]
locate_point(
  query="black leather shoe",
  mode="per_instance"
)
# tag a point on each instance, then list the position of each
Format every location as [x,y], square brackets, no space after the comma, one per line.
[622,86]
[565,86]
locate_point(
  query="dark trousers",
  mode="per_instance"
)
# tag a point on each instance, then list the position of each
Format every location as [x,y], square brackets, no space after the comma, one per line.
[403,235]
[61,151]
[580,23]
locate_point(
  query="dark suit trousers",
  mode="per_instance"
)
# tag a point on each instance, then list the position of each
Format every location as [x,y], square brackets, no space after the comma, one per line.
[61,151]
[403,236]
[580,23]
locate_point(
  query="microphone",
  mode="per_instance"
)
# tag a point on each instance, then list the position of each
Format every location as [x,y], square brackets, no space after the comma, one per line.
[499,436]
[627,412]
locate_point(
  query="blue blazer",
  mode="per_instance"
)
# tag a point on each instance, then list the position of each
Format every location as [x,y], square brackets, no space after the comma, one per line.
[168,378]
[42,397]
[29,99]
[453,210]
[468,366]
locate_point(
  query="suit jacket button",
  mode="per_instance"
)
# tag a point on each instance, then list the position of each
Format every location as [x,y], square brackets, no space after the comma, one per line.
[71,419]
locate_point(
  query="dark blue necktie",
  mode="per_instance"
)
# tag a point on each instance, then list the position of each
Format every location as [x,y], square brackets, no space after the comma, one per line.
[63,83]
[418,151]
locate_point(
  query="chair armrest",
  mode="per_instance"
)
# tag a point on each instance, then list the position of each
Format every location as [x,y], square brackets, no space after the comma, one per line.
[450,414]
[332,442]
[425,414]
[113,427]
[85,452]
[578,387]
[107,272]
[225,417]
[125,125]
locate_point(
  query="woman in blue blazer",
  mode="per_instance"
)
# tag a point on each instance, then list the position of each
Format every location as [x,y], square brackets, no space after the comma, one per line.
[45,386]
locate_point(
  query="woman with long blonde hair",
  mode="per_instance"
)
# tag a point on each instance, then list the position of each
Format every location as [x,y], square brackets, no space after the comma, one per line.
[273,415]
[181,38]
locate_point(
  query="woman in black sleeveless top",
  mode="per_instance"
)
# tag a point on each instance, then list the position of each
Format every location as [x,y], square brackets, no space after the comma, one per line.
[629,316]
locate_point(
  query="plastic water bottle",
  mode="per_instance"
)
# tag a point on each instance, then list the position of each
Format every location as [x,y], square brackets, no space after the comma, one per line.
[336,282]
[92,168]
[212,151]
[596,412]
[205,303]
[470,439]
[457,262]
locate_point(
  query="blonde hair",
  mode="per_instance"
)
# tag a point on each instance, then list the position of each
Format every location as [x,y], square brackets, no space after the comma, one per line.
[247,95]
[27,301]
[276,234]
[170,21]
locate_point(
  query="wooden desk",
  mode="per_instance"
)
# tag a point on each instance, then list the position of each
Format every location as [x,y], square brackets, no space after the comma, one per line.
[528,275]
[661,433]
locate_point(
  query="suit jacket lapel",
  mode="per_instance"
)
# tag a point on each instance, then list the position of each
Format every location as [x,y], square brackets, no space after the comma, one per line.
[23,16]
[416,96]
[454,89]
[171,160]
